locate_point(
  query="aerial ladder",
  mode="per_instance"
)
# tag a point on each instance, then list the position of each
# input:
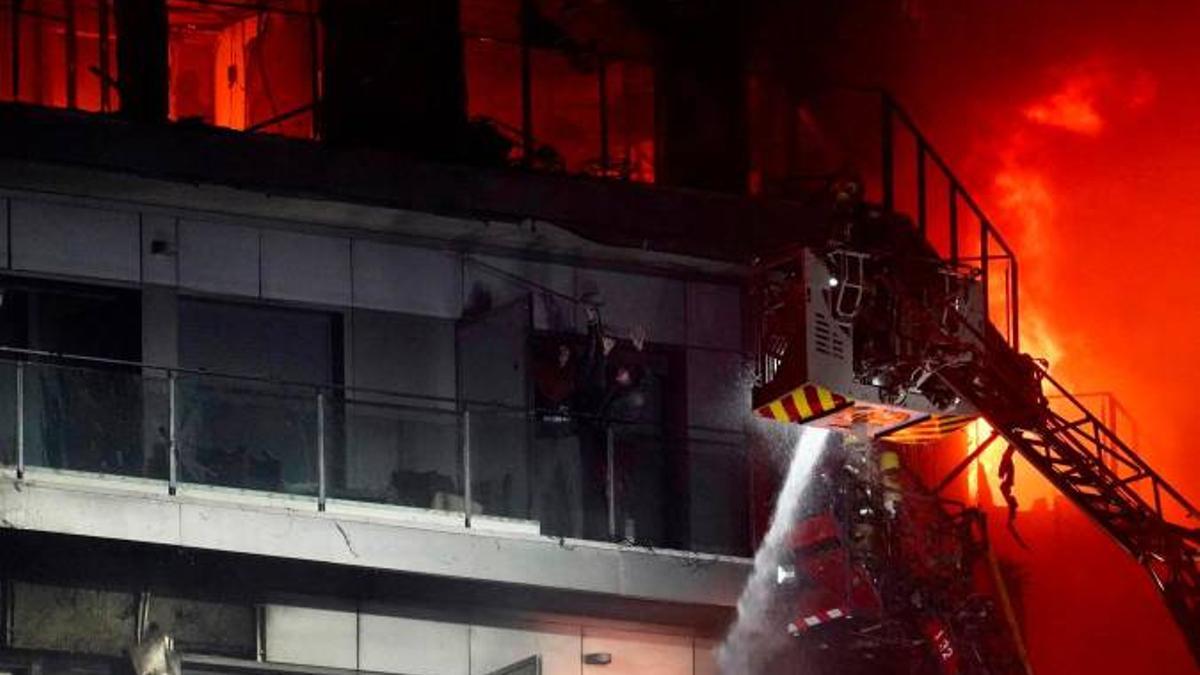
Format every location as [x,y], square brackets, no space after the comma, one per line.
[867,329]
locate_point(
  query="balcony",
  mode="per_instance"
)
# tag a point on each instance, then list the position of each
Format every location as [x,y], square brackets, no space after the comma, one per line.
[367,478]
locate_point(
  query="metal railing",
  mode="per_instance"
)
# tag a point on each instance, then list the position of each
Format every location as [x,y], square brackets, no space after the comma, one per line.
[564,474]
[972,249]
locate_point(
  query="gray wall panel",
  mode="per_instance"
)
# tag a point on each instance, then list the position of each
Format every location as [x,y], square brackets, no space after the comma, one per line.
[218,258]
[560,647]
[404,279]
[390,644]
[306,268]
[655,303]
[403,352]
[714,315]
[4,203]
[315,637]
[74,240]
[550,311]
[159,268]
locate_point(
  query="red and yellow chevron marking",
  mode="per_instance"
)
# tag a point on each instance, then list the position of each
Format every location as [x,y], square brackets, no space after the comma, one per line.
[930,430]
[803,404]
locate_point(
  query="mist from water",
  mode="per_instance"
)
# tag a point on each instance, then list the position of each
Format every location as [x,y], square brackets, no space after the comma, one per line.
[759,633]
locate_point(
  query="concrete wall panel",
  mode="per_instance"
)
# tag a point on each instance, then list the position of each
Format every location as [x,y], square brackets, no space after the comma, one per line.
[306,268]
[75,240]
[714,315]
[503,280]
[655,303]
[559,646]
[162,267]
[230,520]
[218,258]
[402,352]
[404,279]
[311,636]
[4,228]
[391,644]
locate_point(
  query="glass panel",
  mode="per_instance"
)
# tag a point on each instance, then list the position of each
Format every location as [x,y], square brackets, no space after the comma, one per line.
[247,434]
[394,454]
[500,462]
[645,495]
[561,474]
[90,419]
[719,499]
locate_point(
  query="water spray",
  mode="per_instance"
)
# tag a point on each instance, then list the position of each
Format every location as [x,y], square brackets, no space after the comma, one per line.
[754,637]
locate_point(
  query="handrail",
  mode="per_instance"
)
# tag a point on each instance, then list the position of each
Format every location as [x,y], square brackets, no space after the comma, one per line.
[166,458]
[344,394]
[892,111]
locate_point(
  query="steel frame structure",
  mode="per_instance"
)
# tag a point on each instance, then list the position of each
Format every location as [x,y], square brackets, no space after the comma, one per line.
[1070,446]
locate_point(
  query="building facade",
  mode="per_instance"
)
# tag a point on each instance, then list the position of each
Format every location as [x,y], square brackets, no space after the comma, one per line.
[296,334]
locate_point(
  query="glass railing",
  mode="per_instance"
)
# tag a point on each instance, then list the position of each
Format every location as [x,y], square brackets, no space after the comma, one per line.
[558,474]
[387,452]
[240,433]
[86,419]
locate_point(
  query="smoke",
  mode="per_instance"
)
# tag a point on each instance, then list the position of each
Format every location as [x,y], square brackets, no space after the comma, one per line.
[759,633]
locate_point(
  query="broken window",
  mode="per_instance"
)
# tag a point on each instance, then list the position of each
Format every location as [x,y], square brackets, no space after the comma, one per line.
[246,66]
[59,53]
[566,85]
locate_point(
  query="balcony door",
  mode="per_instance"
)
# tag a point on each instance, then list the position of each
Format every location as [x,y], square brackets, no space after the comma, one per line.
[251,421]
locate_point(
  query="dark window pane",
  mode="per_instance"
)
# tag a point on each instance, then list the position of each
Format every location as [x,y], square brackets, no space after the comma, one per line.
[72,619]
[202,627]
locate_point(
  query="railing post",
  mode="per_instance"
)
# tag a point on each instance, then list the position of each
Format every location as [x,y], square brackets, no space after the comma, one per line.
[172,435]
[466,460]
[922,211]
[320,450]
[20,419]
[610,483]
[887,168]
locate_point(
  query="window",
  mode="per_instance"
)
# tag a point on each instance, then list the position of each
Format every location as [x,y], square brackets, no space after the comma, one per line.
[568,87]
[246,66]
[253,433]
[59,53]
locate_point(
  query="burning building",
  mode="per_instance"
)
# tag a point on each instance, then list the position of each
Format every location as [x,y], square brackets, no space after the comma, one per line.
[436,337]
